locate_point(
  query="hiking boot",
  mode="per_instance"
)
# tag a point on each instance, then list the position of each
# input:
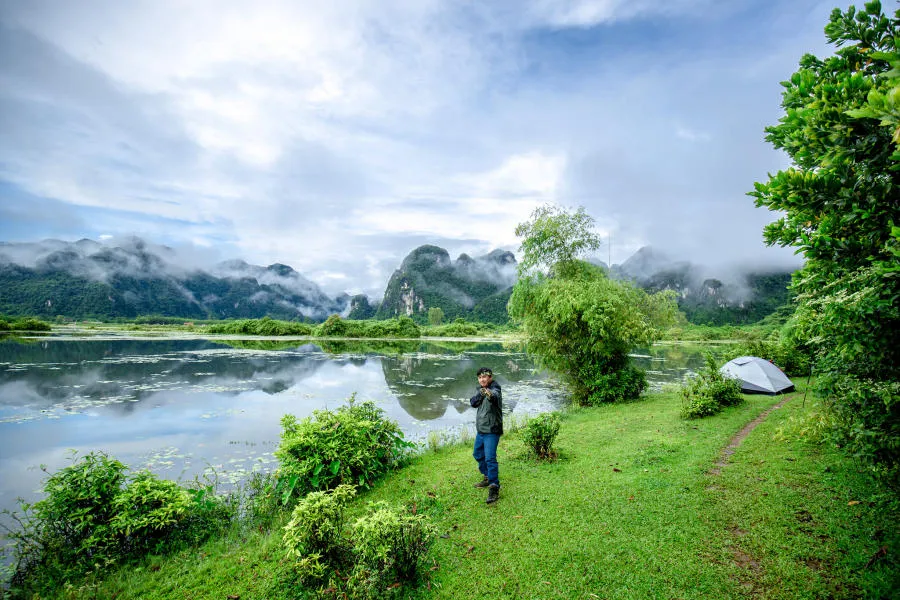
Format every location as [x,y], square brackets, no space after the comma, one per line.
[483,483]
[493,493]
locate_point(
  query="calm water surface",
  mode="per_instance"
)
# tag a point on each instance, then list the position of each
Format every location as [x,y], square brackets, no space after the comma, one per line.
[178,407]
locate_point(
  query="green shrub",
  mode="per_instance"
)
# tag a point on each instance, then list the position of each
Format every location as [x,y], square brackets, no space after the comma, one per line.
[390,548]
[94,516]
[626,383]
[540,433]
[25,324]
[316,527]
[333,326]
[454,330]
[74,521]
[709,392]
[264,326]
[146,510]
[267,326]
[867,412]
[354,444]
[401,327]
[383,549]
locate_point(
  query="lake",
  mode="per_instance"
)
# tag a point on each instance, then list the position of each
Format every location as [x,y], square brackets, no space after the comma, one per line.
[180,406]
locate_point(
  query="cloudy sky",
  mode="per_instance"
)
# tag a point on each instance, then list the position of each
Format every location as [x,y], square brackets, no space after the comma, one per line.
[337,136]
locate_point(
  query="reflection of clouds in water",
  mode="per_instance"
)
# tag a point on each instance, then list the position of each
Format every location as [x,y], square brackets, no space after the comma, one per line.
[116,382]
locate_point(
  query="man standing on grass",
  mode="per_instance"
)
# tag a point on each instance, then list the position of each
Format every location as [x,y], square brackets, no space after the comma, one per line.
[488,429]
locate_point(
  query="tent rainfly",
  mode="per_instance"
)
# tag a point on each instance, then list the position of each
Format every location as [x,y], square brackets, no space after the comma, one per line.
[757,375]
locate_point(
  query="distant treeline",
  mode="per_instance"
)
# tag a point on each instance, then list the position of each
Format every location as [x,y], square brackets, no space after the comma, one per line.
[335,326]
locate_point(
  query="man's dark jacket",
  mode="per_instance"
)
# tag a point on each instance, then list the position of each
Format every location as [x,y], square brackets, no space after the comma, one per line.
[489,402]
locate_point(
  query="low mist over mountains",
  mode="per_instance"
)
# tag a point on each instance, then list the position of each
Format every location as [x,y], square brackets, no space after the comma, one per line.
[133,277]
[736,296]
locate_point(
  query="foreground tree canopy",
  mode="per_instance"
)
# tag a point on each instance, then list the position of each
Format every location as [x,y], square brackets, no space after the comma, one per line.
[841,210]
[577,321]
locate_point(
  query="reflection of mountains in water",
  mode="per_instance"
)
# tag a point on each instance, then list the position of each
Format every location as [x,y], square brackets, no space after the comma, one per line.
[74,376]
[47,374]
[427,385]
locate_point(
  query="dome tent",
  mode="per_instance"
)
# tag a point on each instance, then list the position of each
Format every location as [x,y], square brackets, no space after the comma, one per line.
[757,375]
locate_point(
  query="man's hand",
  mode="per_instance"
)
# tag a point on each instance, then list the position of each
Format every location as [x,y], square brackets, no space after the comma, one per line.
[486,392]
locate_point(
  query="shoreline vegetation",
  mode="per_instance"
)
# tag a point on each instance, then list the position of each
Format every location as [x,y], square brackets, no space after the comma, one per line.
[369,329]
[634,502]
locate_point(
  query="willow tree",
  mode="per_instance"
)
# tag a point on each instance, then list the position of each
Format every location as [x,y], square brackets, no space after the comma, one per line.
[840,207]
[577,321]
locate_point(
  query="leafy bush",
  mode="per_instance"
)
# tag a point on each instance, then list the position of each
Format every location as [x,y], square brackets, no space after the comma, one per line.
[383,549]
[24,324]
[401,327]
[146,510]
[540,433]
[353,444]
[868,415]
[625,383]
[264,326]
[94,516]
[333,326]
[709,392]
[74,522]
[316,528]
[390,548]
[454,330]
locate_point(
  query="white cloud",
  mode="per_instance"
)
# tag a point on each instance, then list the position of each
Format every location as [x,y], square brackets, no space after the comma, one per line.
[691,135]
[336,136]
[589,13]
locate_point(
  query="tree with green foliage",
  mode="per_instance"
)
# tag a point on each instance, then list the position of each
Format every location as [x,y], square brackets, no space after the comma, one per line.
[577,321]
[840,209]
[435,316]
[554,238]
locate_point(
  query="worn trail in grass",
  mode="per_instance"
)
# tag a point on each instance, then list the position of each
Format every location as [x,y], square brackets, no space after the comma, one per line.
[628,510]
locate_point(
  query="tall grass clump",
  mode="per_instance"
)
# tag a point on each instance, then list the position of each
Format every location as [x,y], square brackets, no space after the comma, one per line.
[354,444]
[709,392]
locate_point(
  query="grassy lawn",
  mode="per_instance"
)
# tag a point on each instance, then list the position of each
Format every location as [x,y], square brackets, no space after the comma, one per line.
[628,510]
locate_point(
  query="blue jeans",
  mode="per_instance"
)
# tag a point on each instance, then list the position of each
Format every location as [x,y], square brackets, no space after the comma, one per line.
[486,454]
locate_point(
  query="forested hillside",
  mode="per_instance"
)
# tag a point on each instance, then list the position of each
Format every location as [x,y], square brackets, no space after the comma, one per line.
[88,279]
[472,288]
